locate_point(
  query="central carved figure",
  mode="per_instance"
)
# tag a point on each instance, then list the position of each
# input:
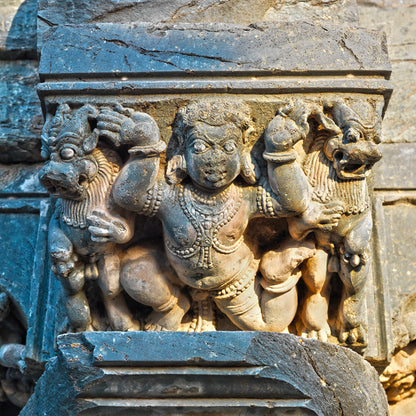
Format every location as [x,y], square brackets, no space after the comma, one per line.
[205,200]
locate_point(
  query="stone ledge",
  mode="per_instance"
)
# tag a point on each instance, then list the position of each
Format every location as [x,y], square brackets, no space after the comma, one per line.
[174,373]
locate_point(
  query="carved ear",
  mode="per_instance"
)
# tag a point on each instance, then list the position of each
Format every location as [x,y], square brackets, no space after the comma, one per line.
[91,142]
[59,119]
[327,123]
[176,170]
[250,171]
[44,152]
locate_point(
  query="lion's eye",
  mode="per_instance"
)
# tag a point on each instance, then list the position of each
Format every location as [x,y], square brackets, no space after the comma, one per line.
[230,146]
[199,146]
[353,135]
[67,153]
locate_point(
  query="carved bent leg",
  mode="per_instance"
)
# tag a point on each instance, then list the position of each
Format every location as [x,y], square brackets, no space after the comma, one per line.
[118,313]
[145,277]
[76,302]
[251,308]
[314,314]
[254,311]
[351,317]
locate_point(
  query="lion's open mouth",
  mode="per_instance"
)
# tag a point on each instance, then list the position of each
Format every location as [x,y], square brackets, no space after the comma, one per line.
[355,168]
[350,169]
[58,190]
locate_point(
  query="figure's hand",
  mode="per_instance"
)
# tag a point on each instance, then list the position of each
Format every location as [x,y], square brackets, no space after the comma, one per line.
[124,127]
[324,217]
[106,228]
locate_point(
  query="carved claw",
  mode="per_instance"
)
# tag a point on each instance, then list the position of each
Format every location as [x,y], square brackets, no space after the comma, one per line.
[151,326]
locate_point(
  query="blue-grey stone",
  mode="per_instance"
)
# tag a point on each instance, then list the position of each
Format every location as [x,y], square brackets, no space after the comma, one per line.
[232,373]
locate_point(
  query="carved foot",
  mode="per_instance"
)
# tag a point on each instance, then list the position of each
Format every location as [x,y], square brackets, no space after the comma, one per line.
[353,336]
[171,319]
[320,334]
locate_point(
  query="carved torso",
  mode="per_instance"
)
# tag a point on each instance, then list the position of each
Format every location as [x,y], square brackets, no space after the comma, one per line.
[204,237]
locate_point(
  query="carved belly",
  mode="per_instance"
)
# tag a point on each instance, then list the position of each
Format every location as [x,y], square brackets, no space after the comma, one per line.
[223,267]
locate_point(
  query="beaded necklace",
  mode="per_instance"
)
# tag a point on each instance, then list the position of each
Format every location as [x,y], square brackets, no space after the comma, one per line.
[207,214]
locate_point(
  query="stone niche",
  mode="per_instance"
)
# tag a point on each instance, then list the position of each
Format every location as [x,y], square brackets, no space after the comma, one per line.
[212,181]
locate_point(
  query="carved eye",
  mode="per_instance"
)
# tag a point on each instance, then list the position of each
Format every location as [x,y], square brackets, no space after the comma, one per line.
[230,146]
[67,153]
[199,146]
[353,135]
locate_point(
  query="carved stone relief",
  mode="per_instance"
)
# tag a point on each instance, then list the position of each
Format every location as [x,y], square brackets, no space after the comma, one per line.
[215,194]
[16,385]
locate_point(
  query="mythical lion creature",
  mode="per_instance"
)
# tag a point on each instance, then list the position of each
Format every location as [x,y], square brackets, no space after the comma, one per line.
[338,160]
[87,228]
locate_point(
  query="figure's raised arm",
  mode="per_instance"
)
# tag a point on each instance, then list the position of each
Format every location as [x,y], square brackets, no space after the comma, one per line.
[140,133]
[286,177]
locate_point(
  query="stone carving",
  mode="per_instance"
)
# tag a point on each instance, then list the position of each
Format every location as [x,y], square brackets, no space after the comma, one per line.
[15,385]
[312,174]
[399,377]
[87,228]
[205,207]
[337,162]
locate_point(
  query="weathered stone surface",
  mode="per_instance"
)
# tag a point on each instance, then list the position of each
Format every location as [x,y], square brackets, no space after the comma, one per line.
[400,217]
[244,12]
[344,11]
[398,20]
[20,113]
[141,49]
[18,28]
[395,170]
[20,179]
[146,374]
[400,375]
[406,407]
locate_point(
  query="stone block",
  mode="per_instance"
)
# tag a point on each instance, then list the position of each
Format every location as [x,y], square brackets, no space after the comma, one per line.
[20,112]
[395,172]
[232,373]
[398,20]
[142,49]
[244,12]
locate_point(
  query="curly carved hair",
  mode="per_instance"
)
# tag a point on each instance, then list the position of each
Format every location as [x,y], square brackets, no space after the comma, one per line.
[215,112]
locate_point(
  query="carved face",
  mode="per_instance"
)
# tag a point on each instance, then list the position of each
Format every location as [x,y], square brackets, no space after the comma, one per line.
[351,153]
[213,155]
[68,173]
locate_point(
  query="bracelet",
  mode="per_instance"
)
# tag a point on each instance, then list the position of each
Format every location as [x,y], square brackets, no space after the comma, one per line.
[280,157]
[149,150]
